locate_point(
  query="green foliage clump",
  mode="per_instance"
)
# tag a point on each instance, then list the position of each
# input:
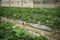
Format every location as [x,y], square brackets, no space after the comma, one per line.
[45,16]
[8,32]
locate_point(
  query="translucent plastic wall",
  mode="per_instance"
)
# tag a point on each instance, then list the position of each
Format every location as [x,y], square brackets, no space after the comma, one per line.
[31,3]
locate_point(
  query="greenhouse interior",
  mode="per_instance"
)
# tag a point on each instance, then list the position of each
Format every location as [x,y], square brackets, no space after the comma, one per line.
[29,19]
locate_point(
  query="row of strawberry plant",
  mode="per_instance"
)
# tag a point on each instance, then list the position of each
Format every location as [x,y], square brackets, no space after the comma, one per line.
[45,16]
[8,32]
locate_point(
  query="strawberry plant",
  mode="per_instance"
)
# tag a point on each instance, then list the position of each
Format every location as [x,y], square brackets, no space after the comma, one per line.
[7,32]
[46,16]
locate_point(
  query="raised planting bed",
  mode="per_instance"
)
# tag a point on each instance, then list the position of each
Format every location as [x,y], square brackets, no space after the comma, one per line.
[45,16]
[8,32]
